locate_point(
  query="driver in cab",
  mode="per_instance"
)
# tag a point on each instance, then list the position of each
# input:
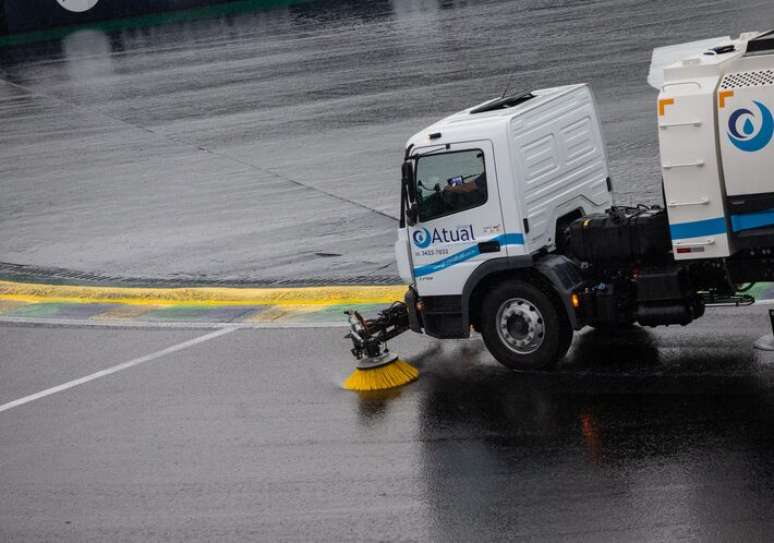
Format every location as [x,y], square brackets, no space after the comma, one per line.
[459,192]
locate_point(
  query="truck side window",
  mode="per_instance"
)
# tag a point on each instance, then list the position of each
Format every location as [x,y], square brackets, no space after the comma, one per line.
[450,182]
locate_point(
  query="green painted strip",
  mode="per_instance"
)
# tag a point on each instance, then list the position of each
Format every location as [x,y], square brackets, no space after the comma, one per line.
[199,313]
[256,314]
[763,291]
[36,310]
[154,19]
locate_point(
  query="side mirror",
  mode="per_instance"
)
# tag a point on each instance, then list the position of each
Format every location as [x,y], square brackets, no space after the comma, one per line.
[412,215]
[408,181]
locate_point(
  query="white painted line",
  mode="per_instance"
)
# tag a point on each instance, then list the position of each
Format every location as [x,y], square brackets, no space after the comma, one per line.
[116,369]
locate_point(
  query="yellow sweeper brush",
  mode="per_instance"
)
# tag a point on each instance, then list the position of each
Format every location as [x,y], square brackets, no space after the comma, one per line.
[378,369]
[391,373]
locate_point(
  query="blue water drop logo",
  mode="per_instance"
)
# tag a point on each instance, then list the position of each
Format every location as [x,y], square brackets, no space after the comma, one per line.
[748,139]
[422,238]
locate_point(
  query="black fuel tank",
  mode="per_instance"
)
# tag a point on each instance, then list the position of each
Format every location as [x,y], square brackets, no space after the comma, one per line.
[622,234]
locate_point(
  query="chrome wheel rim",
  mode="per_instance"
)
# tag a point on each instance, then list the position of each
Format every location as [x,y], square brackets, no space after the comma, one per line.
[520,326]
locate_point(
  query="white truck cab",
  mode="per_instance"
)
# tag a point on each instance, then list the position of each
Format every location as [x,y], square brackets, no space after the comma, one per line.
[499,180]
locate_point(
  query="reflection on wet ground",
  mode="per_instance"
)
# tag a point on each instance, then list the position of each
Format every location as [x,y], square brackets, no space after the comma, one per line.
[642,459]
[640,435]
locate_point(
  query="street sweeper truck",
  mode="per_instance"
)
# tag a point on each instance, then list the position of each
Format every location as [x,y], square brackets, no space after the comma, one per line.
[508,227]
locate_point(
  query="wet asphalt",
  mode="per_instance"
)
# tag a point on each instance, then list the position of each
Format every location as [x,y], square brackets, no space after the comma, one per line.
[648,435]
[265,145]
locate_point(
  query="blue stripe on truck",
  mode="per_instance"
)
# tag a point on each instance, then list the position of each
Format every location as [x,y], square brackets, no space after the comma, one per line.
[748,221]
[466,254]
[695,229]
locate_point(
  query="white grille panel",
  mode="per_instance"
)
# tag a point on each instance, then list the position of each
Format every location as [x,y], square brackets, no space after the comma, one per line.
[741,80]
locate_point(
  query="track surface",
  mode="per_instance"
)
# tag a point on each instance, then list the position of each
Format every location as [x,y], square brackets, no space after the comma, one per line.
[266,146]
[648,436]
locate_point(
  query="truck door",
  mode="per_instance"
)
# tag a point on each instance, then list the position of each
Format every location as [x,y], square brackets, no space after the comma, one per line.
[460,222]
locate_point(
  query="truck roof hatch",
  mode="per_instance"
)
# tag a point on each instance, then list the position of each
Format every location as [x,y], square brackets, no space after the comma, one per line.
[504,102]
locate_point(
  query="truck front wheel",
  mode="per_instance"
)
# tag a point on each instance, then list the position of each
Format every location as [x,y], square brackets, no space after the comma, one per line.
[523,328]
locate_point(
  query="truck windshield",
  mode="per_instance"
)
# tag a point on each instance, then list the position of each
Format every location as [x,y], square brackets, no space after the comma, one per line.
[450,182]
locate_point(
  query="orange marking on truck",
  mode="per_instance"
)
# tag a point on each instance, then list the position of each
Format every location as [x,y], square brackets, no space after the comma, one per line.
[663,103]
[722,97]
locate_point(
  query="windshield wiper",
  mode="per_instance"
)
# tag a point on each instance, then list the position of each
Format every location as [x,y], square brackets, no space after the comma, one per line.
[441,147]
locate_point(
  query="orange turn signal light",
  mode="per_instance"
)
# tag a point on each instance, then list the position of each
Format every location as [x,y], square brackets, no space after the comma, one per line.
[575,300]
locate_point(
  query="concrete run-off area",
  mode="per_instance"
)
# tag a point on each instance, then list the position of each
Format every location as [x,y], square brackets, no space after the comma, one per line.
[265,145]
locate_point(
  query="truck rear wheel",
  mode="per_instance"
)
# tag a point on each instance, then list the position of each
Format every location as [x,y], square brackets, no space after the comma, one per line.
[523,328]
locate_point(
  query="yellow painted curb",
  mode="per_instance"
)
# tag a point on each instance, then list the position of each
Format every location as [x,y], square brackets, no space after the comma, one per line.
[31,292]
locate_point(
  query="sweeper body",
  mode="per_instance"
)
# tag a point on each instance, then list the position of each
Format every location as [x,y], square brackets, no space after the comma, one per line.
[508,226]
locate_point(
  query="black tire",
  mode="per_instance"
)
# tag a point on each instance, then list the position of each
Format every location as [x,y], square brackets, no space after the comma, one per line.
[535,333]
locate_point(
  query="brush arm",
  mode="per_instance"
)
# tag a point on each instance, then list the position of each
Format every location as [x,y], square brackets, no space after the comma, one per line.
[369,336]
